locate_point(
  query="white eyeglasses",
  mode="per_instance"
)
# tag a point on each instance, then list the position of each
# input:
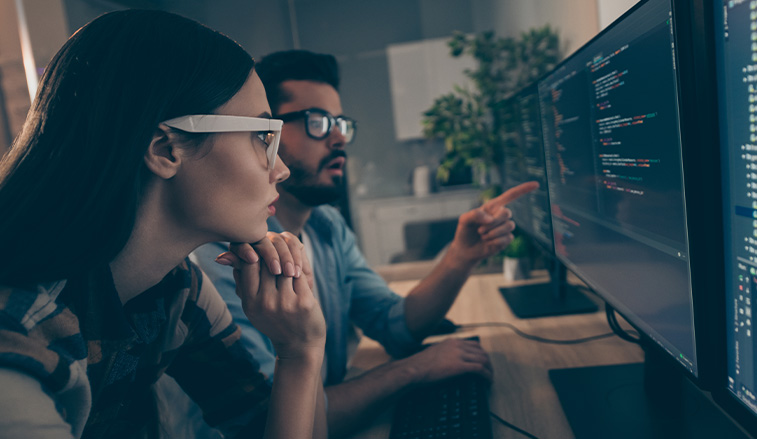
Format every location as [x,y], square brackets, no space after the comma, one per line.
[219,123]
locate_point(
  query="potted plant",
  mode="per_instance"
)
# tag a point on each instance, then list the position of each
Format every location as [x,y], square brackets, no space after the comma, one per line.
[477,123]
[516,263]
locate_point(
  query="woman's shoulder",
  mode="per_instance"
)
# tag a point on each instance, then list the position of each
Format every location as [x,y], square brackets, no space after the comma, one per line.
[197,309]
[40,335]
[25,307]
[185,279]
[192,291]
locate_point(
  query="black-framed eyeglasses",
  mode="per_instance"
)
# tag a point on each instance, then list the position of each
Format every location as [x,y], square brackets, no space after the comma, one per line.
[319,123]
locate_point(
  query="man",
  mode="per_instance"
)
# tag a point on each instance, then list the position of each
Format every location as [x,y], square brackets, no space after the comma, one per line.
[302,90]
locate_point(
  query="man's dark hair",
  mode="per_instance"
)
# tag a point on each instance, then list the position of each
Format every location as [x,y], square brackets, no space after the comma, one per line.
[295,65]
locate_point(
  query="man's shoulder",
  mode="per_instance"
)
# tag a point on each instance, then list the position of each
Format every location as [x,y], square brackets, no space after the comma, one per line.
[326,223]
[326,215]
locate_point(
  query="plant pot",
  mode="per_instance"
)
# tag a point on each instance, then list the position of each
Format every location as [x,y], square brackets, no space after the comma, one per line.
[516,268]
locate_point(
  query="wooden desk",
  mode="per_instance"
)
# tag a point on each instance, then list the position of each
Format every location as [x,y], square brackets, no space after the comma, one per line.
[522,393]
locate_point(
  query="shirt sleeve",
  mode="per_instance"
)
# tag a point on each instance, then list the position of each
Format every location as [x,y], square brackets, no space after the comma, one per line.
[374,308]
[27,410]
[222,278]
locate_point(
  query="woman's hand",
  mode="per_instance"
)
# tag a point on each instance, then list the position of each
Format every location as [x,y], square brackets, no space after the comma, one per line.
[276,297]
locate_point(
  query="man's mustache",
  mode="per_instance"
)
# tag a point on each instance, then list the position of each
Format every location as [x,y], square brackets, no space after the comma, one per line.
[334,154]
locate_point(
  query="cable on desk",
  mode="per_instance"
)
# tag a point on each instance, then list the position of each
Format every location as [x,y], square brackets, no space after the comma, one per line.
[536,337]
[612,320]
[509,425]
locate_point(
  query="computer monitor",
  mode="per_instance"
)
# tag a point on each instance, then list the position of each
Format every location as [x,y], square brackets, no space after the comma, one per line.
[735,36]
[622,127]
[614,165]
[524,161]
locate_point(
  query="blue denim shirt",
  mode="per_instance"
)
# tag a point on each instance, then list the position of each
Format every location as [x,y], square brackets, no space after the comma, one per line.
[348,290]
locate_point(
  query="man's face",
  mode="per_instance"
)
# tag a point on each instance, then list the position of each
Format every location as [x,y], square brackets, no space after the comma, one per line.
[317,166]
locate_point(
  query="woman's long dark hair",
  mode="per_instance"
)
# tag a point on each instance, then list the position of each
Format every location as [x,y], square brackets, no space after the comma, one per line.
[71,183]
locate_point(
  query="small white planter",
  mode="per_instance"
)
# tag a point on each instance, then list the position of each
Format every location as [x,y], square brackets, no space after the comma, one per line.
[515,268]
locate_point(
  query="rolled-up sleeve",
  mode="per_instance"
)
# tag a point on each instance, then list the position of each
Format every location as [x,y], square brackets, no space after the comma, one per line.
[375,309]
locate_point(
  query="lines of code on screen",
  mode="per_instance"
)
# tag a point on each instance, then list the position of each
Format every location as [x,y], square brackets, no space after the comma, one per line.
[615,136]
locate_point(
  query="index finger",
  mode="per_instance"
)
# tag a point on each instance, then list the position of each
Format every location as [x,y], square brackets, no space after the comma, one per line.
[512,194]
[243,251]
[270,255]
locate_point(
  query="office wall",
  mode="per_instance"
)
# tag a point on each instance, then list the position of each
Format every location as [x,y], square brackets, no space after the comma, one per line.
[609,10]
[48,28]
[14,92]
[575,20]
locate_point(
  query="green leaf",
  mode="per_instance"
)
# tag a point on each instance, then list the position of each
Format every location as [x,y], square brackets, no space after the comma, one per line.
[477,123]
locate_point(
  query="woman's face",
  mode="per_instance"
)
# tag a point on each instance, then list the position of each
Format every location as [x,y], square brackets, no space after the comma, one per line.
[226,190]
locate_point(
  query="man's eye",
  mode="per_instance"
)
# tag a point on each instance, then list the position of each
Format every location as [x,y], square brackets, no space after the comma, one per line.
[320,124]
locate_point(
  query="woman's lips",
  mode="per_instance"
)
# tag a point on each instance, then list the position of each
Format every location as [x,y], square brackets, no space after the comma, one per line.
[271,207]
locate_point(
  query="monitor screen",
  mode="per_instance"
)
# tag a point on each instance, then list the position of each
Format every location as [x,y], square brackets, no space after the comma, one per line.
[610,122]
[736,44]
[524,161]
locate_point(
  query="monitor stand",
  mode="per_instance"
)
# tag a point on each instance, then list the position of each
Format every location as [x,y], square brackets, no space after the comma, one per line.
[651,400]
[556,297]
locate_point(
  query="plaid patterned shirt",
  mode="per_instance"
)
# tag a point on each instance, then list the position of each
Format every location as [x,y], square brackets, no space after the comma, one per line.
[97,359]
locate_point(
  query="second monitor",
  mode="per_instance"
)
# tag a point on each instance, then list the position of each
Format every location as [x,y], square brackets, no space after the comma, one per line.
[525,161]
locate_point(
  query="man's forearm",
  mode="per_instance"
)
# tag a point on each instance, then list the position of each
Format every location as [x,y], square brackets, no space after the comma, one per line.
[430,300]
[354,403]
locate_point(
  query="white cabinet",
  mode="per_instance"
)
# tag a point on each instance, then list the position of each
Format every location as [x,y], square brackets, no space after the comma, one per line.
[381,222]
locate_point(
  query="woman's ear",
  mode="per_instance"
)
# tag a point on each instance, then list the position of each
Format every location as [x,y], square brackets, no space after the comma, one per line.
[163,158]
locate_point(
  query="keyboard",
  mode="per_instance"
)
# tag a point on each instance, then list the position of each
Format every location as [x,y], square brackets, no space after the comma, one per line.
[453,408]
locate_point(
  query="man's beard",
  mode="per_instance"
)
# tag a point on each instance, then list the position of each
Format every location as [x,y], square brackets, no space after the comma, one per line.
[304,186]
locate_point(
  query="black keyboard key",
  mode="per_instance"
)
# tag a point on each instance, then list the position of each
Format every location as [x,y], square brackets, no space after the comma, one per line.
[450,409]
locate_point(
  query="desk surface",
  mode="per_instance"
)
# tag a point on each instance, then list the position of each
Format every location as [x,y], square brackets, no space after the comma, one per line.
[522,393]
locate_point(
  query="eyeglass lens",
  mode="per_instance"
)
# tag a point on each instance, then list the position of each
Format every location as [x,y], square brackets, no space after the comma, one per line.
[271,150]
[319,125]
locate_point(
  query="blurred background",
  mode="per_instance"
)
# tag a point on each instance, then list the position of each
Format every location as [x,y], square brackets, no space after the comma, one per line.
[394,61]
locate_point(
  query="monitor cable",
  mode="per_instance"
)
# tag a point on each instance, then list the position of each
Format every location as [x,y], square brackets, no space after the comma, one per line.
[513,427]
[612,320]
[536,337]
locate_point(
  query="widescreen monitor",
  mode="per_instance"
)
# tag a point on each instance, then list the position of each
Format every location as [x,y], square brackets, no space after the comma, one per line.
[612,134]
[735,24]
[634,185]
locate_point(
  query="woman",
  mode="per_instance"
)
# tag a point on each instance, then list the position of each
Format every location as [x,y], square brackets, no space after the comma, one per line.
[149,136]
